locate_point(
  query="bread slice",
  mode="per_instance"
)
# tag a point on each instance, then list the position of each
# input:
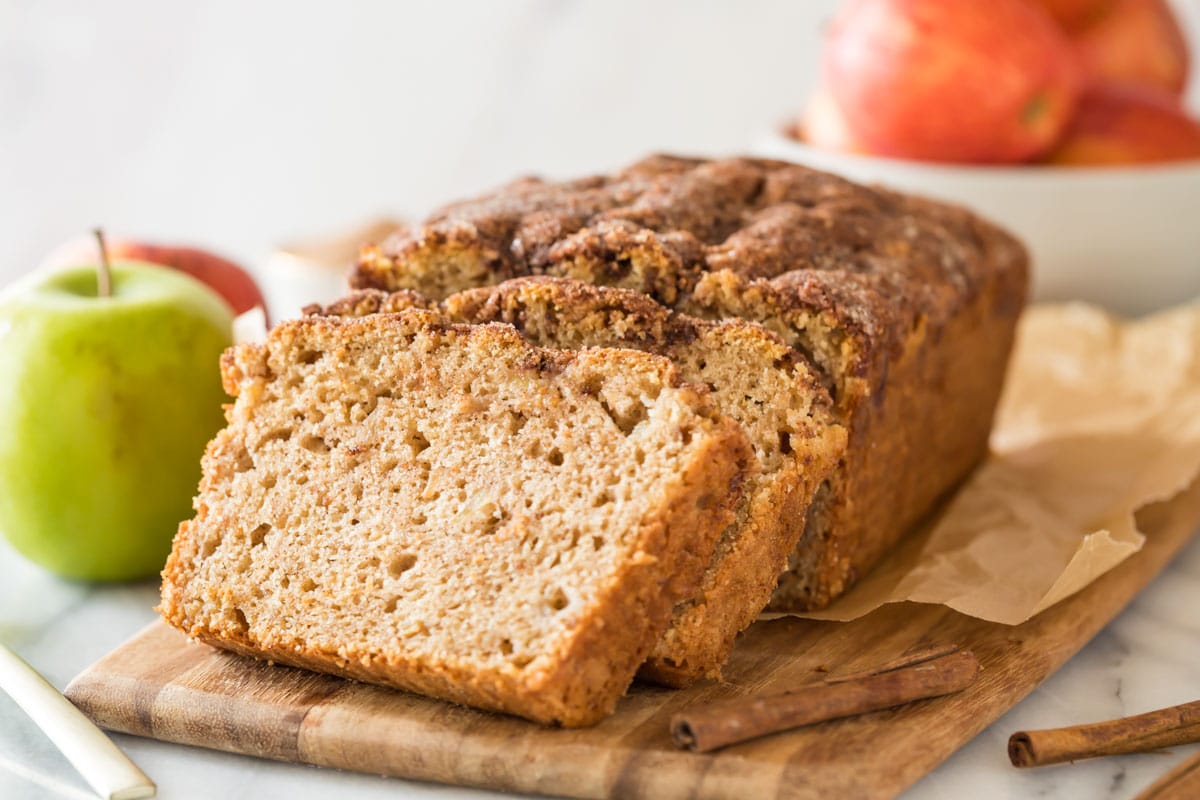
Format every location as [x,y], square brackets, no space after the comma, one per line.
[450,510]
[771,390]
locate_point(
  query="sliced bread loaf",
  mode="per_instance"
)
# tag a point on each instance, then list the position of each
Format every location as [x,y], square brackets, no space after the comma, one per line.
[451,510]
[907,306]
[771,390]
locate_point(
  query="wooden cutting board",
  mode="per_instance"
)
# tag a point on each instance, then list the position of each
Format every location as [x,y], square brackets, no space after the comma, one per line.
[160,685]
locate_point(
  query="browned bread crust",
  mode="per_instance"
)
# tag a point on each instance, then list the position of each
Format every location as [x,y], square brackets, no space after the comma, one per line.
[906,305]
[450,510]
[761,383]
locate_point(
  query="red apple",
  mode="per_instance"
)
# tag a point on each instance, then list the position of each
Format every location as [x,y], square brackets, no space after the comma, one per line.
[1073,15]
[227,278]
[824,126]
[951,80]
[1135,41]
[1128,125]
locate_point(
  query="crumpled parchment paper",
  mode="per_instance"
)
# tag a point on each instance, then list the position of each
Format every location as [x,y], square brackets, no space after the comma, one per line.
[1099,418]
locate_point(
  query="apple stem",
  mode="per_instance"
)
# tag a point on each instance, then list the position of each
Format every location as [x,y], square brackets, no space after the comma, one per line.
[104,271]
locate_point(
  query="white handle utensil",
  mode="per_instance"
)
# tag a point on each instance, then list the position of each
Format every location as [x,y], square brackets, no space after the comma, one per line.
[101,763]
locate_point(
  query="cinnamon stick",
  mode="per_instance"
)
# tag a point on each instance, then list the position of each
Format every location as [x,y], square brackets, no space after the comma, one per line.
[1155,730]
[732,721]
[1181,783]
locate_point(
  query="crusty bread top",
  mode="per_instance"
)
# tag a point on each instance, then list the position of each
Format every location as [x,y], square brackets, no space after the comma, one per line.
[876,262]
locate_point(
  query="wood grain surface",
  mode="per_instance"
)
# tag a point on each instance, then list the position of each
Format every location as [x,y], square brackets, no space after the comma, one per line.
[160,685]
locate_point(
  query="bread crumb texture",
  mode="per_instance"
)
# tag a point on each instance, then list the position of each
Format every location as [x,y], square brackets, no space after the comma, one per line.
[451,510]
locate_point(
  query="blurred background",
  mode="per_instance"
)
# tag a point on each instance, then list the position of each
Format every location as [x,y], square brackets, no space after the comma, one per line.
[243,125]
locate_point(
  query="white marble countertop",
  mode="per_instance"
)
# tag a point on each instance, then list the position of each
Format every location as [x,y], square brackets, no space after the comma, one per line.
[242,125]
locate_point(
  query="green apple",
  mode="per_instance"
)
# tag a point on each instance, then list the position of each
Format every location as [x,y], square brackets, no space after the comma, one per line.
[106,404]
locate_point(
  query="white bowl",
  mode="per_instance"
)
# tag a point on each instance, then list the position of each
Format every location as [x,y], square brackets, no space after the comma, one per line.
[1127,238]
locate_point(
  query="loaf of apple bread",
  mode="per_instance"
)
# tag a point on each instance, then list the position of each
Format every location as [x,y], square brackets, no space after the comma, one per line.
[451,510]
[768,388]
[907,308]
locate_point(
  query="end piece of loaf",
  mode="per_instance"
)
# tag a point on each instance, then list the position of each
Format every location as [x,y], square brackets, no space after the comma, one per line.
[768,388]
[450,510]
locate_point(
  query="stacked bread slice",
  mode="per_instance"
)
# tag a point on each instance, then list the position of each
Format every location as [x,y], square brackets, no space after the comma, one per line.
[451,510]
[766,387]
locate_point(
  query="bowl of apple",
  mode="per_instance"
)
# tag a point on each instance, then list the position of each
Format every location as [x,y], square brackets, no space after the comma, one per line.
[1060,119]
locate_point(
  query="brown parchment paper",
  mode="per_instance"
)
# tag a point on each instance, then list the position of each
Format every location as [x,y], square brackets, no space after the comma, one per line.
[1099,418]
